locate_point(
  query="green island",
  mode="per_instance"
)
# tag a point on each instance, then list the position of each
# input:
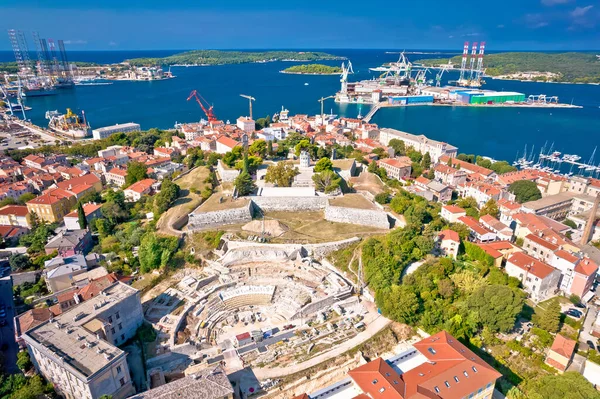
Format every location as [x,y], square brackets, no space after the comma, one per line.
[544,67]
[12,67]
[217,57]
[313,69]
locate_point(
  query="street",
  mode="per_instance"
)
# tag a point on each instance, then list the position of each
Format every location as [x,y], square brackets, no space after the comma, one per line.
[586,330]
[7,333]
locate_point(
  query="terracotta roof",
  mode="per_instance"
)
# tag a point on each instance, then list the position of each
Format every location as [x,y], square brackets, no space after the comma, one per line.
[531,265]
[493,252]
[97,285]
[586,267]
[32,318]
[423,180]
[226,141]
[79,184]
[378,380]
[51,196]
[540,241]
[474,225]
[17,210]
[118,172]
[397,162]
[563,346]
[466,165]
[445,169]
[454,209]
[88,209]
[303,396]
[569,257]
[141,186]
[449,235]
[245,335]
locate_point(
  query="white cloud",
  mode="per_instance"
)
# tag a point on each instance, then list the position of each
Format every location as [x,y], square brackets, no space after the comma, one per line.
[470,34]
[75,42]
[535,21]
[579,12]
[111,43]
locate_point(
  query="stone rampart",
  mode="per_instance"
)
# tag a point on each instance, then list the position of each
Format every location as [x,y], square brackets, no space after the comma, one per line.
[364,217]
[289,204]
[206,220]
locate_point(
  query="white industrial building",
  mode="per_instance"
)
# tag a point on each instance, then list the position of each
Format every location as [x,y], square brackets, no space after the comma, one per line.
[104,132]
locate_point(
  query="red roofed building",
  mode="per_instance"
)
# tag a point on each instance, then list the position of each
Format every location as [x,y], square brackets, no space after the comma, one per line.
[537,246]
[447,243]
[502,231]
[464,165]
[52,205]
[583,278]
[80,186]
[243,339]
[91,211]
[116,177]
[478,232]
[396,168]
[560,354]
[452,213]
[449,175]
[499,250]
[482,192]
[134,192]
[15,215]
[539,279]
[225,144]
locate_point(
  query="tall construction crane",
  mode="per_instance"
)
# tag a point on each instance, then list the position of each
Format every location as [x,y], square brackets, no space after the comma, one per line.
[322,101]
[463,63]
[473,56]
[438,76]
[199,99]
[480,62]
[250,99]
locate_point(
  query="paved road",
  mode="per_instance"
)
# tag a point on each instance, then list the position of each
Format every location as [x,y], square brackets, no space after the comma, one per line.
[7,333]
[372,328]
[585,334]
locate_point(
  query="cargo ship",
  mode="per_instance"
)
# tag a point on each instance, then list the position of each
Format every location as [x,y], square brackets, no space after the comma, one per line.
[38,91]
[69,124]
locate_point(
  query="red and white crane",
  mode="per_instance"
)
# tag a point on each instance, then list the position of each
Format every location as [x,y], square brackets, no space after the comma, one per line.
[210,115]
[473,56]
[480,61]
[463,64]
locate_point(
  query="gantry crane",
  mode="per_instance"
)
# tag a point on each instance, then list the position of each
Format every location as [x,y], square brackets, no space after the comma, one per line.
[199,99]
[250,99]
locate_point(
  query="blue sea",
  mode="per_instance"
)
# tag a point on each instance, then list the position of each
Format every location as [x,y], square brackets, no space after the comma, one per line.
[494,132]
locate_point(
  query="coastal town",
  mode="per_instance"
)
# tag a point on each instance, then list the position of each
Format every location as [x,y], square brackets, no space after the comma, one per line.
[235,260]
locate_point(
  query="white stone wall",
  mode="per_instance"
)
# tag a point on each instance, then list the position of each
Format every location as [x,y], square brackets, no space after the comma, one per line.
[290,204]
[363,217]
[198,221]
[225,173]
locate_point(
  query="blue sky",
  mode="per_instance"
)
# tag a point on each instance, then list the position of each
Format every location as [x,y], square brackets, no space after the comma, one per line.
[400,24]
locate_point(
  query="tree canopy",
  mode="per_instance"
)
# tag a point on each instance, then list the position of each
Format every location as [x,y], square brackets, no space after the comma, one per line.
[525,190]
[497,306]
[281,174]
[570,385]
[327,181]
[323,164]
[136,171]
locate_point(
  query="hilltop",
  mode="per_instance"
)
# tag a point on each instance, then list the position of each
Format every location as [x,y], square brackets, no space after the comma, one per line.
[313,69]
[557,67]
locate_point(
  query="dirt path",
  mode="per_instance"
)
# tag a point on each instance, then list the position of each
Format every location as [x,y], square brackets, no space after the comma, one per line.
[378,324]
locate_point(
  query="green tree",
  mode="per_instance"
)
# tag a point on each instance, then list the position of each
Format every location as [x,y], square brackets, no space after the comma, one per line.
[81,216]
[233,156]
[19,262]
[497,307]
[426,161]
[281,174]
[23,199]
[23,361]
[570,223]
[399,303]
[549,320]
[323,164]
[303,145]
[156,251]
[373,167]
[398,146]
[251,163]
[327,181]
[483,162]
[570,385]
[169,192]
[270,148]
[525,190]
[136,171]
[244,184]
[258,148]
[490,208]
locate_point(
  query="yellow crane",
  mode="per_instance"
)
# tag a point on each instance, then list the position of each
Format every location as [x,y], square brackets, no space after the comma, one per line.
[250,99]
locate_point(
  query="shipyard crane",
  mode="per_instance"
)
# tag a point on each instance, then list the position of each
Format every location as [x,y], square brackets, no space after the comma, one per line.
[463,63]
[199,99]
[250,100]
[438,77]
[346,69]
[322,101]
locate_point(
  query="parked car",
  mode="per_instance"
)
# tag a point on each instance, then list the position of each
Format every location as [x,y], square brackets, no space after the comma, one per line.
[575,311]
[591,345]
[580,305]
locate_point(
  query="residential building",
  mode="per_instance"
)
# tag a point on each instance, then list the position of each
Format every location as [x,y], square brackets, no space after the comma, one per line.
[52,205]
[10,234]
[449,175]
[502,231]
[70,242]
[448,243]
[59,271]
[555,207]
[396,168]
[470,168]
[116,177]
[225,144]
[540,248]
[452,213]
[561,353]
[80,186]
[76,351]
[539,279]
[527,223]
[507,210]
[478,233]
[134,192]
[15,215]
[246,124]
[435,367]
[480,191]
[30,319]
[499,250]
[91,210]
[436,149]
[104,132]
[210,383]
[578,274]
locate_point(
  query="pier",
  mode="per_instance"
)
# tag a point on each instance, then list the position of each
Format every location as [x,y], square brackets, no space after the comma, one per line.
[372,112]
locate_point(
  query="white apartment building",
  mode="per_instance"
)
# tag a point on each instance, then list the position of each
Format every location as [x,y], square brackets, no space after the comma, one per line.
[539,280]
[246,124]
[104,132]
[77,351]
[420,143]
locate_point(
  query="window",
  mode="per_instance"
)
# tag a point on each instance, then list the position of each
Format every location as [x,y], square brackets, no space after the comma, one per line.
[374,382]
[456,378]
[466,374]
[474,369]
[447,384]
[432,351]
[122,337]
[387,374]
[119,369]
[437,390]
[110,319]
[112,331]
[122,381]
[382,390]
[120,326]
[117,316]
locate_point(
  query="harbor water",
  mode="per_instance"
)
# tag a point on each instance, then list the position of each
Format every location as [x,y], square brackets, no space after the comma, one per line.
[498,132]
